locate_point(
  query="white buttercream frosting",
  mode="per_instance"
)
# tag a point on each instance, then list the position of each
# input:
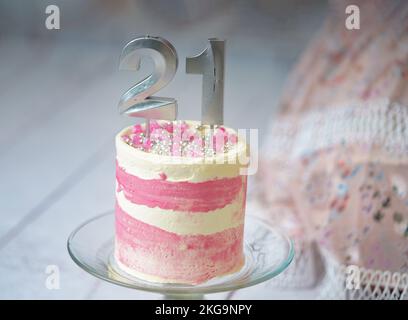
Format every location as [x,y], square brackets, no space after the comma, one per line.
[147,165]
[186,223]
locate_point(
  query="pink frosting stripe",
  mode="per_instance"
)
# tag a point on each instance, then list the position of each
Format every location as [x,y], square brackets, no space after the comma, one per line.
[185,258]
[180,196]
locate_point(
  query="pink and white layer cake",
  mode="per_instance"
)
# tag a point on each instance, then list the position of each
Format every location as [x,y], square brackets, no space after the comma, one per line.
[179,216]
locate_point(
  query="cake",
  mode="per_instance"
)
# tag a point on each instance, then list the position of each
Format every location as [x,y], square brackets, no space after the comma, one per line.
[180,202]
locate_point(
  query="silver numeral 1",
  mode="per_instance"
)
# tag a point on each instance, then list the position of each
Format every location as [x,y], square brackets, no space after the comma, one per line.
[210,63]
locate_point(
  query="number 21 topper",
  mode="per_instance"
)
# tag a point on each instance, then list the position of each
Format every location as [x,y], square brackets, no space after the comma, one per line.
[138,100]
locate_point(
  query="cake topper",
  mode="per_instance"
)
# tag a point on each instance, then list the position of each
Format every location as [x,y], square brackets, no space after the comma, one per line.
[210,63]
[138,100]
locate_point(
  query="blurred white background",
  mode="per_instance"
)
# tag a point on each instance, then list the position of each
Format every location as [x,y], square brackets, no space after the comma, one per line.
[58,95]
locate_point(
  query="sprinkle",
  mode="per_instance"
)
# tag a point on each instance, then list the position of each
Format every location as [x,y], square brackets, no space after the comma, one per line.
[137,129]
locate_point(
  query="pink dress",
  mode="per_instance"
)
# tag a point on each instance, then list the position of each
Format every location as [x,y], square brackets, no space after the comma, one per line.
[334,168]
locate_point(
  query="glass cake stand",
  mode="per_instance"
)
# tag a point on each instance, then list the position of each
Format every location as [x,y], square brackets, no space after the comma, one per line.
[268,252]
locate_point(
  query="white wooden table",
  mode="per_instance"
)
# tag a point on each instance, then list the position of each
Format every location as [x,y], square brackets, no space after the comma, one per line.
[58,119]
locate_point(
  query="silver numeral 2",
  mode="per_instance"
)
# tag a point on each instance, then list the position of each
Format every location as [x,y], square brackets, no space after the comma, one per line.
[138,100]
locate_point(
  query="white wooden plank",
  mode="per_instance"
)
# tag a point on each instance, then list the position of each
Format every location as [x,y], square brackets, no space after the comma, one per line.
[42,91]
[43,243]
[14,54]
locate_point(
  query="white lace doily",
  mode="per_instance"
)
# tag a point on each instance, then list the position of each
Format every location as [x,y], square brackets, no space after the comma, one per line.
[356,283]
